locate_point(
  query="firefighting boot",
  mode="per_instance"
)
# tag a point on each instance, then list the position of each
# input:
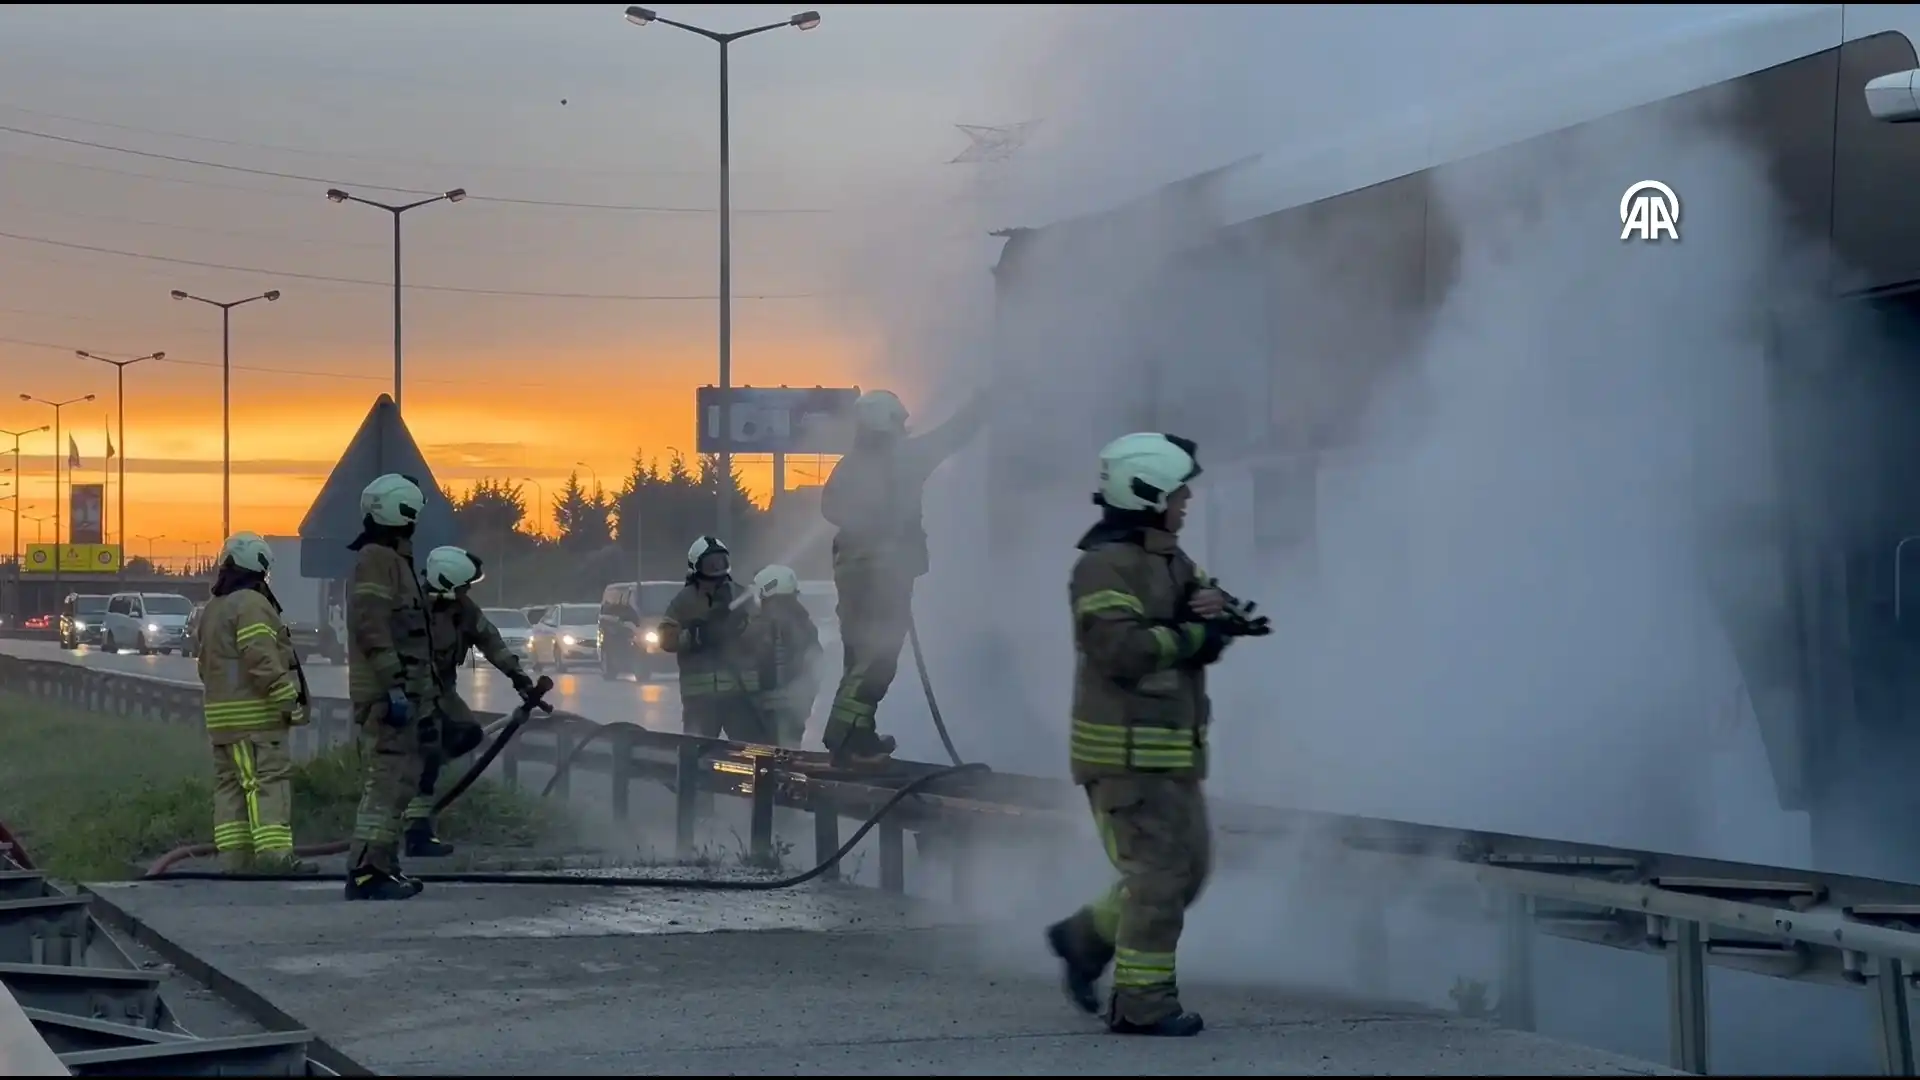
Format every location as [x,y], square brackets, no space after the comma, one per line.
[863,748]
[283,862]
[1083,959]
[236,861]
[366,883]
[421,843]
[1177,1025]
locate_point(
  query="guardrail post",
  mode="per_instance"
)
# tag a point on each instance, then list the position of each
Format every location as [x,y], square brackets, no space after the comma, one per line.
[620,746]
[1894,1023]
[1687,997]
[826,833]
[1516,963]
[963,860]
[563,744]
[760,818]
[510,764]
[686,796]
[893,857]
[1370,945]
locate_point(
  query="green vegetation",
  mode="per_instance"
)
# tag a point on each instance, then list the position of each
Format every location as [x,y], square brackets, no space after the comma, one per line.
[92,797]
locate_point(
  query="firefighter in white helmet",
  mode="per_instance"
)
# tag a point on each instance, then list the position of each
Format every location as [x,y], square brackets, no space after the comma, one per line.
[1147,623]
[255,693]
[873,498]
[705,628]
[788,645]
[391,682]
[459,627]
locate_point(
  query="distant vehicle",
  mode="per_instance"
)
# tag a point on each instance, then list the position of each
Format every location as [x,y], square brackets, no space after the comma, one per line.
[192,647]
[38,622]
[146,622]
[566,633]
[534,612]
[314,615]
[80,618]
[515,629]
[628,628]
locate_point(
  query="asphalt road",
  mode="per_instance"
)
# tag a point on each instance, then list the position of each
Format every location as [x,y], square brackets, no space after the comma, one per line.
[653,704]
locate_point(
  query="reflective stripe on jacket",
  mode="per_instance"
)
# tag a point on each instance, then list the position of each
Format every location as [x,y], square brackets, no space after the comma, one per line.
[247,672]
[389,645]
[458,626]
[1139,704]
[729,669]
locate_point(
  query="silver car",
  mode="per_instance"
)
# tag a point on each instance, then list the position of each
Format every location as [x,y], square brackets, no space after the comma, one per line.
[515,629]
[566,634]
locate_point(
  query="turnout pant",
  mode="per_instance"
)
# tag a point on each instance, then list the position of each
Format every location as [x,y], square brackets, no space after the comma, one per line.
[253,800]
[393,758]
[460,734]
[1156,834]
[727,714]
[875,609]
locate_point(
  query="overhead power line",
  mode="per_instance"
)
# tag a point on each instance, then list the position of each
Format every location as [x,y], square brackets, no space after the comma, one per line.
[301,372]
[336,182]
[298,276]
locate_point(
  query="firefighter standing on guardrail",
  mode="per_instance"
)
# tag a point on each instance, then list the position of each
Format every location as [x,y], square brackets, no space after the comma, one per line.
[788,646]
[1147,623]
[459,626]
[254,693]
[391,682]
[706,631]
[873,498]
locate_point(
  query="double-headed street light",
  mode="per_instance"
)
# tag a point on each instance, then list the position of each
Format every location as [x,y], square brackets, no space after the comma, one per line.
[18,488]
[454,196]
[56,406]
[806,20]
[120,398]
[226,400]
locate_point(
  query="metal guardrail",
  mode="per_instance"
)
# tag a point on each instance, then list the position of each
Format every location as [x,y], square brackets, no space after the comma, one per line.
[1698,913]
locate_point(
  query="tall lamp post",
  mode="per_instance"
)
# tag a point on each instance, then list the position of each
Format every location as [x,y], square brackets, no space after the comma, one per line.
[453,196]
[56,406]
[19,487]
[806,20]
[120,402]
[226,402]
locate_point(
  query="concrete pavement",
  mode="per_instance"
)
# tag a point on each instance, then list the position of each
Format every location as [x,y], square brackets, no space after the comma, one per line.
[553,980]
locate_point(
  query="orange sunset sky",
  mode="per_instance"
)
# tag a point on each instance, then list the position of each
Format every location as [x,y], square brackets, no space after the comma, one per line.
[566,310]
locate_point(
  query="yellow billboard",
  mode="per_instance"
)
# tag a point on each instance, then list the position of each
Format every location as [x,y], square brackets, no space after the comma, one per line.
[74,558]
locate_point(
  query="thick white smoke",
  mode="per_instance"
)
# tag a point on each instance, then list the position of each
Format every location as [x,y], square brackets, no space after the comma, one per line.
[1489,594]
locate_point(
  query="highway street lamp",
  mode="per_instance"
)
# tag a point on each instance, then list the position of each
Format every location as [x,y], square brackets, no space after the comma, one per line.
[338,196]
[805,20]
[226,401]
[150,540]
[539,530]
[39,520]
[120,398]
[17,474]
[56,406]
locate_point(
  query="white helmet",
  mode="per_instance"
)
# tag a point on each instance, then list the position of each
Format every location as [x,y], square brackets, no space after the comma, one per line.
[248,552]
[775,581]
[1141,471]
[449,568]
[703,547]
[880,411]
[392,500]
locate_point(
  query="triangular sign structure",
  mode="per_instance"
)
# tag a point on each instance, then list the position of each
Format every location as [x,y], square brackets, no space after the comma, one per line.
[382,445]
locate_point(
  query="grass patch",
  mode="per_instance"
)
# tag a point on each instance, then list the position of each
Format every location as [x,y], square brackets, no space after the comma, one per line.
[90,796]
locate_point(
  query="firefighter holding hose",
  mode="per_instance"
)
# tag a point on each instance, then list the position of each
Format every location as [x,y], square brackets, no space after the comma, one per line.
[1147,623]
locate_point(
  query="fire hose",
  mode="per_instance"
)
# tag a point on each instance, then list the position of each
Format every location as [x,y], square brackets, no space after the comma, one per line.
[534,701]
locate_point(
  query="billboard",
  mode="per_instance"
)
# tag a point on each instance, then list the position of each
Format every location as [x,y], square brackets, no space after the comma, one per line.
[74,558]
[87,503]
[778,419]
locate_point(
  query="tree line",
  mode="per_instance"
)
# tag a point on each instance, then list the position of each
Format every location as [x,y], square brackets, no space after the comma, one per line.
[588,536]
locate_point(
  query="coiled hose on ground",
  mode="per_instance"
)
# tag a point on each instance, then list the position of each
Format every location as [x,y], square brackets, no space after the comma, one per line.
[503,732]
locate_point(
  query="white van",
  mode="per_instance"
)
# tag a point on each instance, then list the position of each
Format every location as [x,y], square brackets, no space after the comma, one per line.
[148,623]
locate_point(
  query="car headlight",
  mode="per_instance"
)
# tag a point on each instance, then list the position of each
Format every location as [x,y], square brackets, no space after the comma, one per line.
[153,628]
[79,624]
[569,639]
[652,637]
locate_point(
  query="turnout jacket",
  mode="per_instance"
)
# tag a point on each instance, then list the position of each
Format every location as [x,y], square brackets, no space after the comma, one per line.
[389,643]
[874,496]
[248,671]
[728,668]
[458,625]
[1140,693]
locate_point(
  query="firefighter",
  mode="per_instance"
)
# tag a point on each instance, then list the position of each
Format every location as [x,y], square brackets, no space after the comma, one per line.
[873,499]
[254,694]
[458,626]
[1147,623]
[391,682]
[705,628]
[788,645]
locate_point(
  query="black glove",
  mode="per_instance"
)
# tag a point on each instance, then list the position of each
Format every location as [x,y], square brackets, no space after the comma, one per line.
[399,709]
[522,682]
[1242,622]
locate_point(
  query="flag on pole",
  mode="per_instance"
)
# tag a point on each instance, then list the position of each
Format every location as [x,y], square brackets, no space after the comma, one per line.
[109,444]
[73,453]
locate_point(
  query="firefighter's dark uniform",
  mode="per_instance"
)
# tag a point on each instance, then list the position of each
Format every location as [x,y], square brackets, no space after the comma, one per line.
[458,626]
[788,645]
[718,678]
[254,693]
[389,647]
[873,498]
[1139,747]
